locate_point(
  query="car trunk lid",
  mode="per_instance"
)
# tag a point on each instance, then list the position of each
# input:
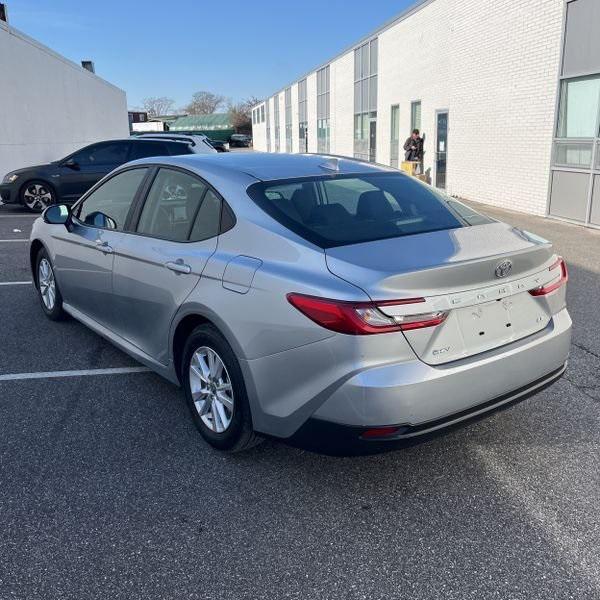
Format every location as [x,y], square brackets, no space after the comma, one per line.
[480,276]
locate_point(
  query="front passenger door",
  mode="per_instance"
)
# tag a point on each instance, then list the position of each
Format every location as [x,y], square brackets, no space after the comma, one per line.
[84,251]
[160,264]
[88,166]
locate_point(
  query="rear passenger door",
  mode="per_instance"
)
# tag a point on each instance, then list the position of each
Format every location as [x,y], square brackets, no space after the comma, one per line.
[160,262]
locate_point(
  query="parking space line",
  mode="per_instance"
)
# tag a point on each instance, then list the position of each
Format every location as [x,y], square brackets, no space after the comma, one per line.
[16,240]
[24,216]
[78,373]
[16,282]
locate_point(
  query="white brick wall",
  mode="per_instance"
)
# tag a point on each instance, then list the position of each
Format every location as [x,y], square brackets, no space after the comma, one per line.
[493,64]
[341,98]
[311,110]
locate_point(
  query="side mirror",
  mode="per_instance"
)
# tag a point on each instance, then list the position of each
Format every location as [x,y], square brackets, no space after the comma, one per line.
[99,219]
[57,214]
[72,164]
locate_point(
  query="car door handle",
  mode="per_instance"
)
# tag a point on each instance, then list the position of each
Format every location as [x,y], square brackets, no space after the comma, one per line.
[104,247]
[179,267]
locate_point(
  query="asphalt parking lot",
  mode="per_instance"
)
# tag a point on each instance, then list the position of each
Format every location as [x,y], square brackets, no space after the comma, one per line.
[106,490]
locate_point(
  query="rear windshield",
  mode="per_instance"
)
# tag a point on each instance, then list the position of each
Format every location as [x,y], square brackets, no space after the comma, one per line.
[349,209]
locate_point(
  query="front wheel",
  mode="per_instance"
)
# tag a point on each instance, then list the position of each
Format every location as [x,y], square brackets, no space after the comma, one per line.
[47,287]
[215,391]
[37,195]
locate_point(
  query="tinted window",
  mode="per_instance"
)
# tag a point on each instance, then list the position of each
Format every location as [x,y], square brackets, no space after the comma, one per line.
[176,148]
[102,154]
[208,219]
[109,205]
[146,149]
[334,211]
[172,206]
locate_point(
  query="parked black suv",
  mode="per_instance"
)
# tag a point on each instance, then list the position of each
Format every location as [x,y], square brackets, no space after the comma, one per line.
[67,179]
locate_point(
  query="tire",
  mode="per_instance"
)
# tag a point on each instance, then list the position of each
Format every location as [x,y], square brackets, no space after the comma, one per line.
[47,287]
[224,425]
[36,195]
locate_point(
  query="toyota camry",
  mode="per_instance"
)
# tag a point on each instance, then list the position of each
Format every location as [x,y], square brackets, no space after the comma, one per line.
[303,295]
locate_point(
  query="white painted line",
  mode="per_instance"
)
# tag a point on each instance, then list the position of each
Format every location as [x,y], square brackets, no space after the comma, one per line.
[16,282]
[23,216]
[16,240]
[80,373]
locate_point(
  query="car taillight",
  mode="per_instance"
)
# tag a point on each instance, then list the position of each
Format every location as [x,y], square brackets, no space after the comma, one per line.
[554,285]
[362,318]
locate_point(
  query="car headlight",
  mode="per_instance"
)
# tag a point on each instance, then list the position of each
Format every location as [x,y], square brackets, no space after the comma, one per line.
[9,178]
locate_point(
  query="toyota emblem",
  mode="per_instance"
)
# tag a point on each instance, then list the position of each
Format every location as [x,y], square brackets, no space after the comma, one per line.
[504,268]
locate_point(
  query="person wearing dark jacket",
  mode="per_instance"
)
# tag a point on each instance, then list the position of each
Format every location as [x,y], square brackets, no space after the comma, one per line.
[413,147]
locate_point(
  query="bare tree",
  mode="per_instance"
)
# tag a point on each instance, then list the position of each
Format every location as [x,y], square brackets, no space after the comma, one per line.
[205,103]
[240,114]
[158,106]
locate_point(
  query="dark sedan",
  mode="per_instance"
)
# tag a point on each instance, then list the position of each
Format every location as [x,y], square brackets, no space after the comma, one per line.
[68,179]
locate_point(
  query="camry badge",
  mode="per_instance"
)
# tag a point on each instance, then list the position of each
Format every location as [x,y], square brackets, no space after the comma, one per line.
[504,268]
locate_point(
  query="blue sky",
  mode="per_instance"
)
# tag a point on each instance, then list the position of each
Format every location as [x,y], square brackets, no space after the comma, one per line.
[237,48]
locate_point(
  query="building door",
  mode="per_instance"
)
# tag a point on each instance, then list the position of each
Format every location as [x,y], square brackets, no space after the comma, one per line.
[441,148]
[372,139]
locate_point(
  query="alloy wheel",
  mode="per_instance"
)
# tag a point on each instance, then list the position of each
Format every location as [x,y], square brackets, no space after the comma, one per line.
[37,197]
[211,389]
[47,284]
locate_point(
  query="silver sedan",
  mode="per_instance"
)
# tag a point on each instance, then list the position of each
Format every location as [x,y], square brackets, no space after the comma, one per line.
[304,295]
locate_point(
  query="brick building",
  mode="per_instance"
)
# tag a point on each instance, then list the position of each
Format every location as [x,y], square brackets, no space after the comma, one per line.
[507,95]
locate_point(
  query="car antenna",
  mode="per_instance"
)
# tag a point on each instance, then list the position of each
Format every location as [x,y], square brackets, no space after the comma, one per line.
[331,164]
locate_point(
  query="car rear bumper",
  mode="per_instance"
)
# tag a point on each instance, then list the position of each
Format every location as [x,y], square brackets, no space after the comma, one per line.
[414,394]
[328,435]
[352,383]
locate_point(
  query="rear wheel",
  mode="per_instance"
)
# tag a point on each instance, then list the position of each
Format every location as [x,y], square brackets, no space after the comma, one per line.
[37,195]
[47,287]
[215,391]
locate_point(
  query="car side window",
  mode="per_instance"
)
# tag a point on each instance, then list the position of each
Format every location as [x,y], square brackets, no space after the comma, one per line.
[102,154]
[172,205]
[208,219]
[179,148]
[107,207]
[146,149]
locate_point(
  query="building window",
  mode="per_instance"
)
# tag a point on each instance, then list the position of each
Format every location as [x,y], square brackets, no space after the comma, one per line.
[302,117]
[415,115]
[578,122]
[394,135]
[365,100]
[277,123]
[268,117]
[579,108]
[288,119]
[323,108]
[262,113]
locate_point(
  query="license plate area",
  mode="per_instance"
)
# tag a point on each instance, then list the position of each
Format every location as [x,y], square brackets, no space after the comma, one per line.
[492,324]
[471,330]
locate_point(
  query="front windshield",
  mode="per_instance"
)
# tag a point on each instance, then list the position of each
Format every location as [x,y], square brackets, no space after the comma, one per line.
[350,209]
